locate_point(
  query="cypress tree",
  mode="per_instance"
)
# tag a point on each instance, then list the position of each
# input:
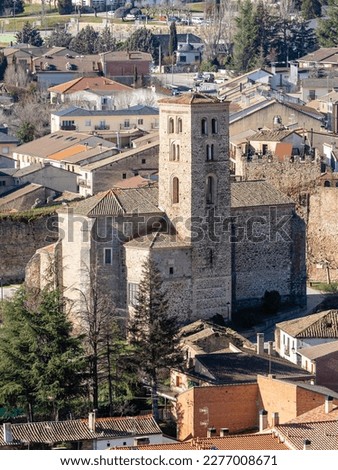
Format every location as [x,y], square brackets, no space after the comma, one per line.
[153,332]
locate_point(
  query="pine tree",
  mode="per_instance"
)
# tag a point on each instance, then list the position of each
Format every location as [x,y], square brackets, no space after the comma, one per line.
[65,7]
[3,65]
[265,31]
[59,38]
[7,7]
[311,9]
[245,40]
[106,41]
[172,39]
[327,31]
[29,35]
[143,40]
[153,332]
[41,362]
[85,42]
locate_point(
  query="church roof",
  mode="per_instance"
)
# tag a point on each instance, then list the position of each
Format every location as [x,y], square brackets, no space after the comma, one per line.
[190,98]
[256,193]
[120,201]
[158,240]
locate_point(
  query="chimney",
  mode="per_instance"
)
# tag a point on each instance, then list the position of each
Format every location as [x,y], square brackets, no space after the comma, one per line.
[274,419]
[92,421]
[270,348]
[260,343]
[263,420]
[306,444]
[211,432]
[328,404]
[8,437]
[224,432]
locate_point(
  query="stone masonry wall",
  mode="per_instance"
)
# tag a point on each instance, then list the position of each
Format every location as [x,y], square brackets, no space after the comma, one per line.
[20,238]
[322,256]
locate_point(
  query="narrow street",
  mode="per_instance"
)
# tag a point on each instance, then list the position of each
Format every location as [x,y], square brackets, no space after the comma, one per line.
[314,298]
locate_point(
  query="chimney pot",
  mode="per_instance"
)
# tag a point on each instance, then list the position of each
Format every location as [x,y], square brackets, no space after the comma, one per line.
[8,436]
[306,444]
[328,404]
[224,432]
[211,432]
[263,420]
[275,419]
[260,343]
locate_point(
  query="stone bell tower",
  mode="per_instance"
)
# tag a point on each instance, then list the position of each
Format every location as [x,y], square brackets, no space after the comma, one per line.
[194,191]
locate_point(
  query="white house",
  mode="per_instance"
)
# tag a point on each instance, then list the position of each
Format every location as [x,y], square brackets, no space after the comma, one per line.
[292,336]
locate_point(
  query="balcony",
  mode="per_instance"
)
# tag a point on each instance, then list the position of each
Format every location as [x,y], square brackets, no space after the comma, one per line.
[102,127]
[68,127]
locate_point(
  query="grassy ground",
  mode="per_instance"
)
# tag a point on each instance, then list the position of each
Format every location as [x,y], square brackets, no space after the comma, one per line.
[196,7]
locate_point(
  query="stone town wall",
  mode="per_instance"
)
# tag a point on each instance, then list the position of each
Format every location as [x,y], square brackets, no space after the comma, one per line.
[265,256]
[322,256]
[317,206]
[20,238]
[296,179]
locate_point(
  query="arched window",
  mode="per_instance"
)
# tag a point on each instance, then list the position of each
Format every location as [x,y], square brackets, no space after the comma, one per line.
[176,191]
[178,152]
[171,126]
[327,184]
[204,127]
[179,125]
[210,152]
[210,190]
[214,126]
[174,151]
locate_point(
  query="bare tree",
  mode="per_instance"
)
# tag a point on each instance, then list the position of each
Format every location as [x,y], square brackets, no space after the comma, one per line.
[219,27]
[16,76]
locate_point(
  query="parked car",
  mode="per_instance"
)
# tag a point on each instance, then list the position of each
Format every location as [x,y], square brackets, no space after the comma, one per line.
[129,17]
[208,77]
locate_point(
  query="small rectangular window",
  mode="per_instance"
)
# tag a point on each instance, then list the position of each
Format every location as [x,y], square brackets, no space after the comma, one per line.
[171,270]
[108,256]
[88,123]
[140,122]
[143,160]
[124,176]
[126,123]
[132,293]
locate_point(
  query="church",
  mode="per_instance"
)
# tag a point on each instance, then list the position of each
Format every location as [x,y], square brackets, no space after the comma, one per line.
[219,243]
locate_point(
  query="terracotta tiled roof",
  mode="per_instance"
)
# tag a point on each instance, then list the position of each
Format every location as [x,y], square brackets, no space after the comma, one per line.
[233,442]
[50,432]
[323,435]
[275,135]
[319,55]
[158,240]
[320,350]
[89,83]
[318,325]
[67,152]
[23,191]
[120,201]
[191,98]
[123,155]
[133,182]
